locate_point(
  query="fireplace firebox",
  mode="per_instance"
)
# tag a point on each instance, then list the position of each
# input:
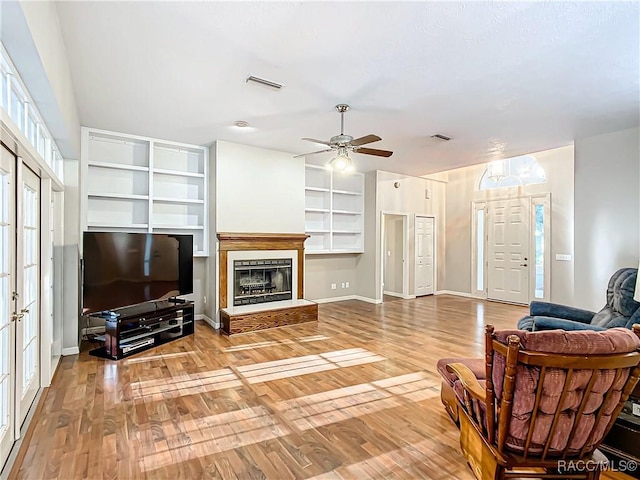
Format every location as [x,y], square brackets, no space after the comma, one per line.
[261,281]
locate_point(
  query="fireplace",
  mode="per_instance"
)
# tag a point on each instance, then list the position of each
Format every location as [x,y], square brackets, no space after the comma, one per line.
[262,280]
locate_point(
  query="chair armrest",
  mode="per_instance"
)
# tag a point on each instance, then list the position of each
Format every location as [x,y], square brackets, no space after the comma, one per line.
[549,323]
[468,380]
[545,309]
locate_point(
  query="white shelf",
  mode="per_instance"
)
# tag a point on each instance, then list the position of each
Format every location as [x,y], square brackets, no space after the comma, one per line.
[178,227]
[177,173]
[177,200]
[118,196]
[115,225]
[137,183]
[334,222]
[118,166]
[347,192]
[347,212]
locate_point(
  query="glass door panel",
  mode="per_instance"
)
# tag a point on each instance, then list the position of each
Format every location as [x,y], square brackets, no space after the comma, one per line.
[28,326]
[7,303]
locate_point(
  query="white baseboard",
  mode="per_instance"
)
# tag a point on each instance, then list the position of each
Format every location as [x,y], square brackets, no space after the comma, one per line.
[393,294]
[70,351]
[335,299]
[346,297]
[211,323]
[457,294]
[368,300]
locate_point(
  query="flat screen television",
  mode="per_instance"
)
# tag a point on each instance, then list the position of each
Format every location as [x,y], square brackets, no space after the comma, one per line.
[123,269]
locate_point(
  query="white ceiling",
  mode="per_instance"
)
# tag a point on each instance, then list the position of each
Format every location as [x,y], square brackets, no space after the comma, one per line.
[500,78]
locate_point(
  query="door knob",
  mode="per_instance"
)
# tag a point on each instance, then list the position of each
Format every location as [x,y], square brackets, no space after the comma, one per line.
[17,316]
[24,310]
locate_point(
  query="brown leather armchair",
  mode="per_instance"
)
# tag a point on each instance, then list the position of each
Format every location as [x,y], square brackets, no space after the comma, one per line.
[545,400]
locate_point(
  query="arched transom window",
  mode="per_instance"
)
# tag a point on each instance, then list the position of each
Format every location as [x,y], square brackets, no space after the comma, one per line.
[512,172]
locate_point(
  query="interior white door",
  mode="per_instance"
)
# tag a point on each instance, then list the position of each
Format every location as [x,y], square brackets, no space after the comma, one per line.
[28,288]
[425,247]
[7,301]
[508,232]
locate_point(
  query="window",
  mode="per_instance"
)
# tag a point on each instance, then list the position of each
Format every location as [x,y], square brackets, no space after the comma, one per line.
[512,172]
[480,250]
[539,251]
[15,100]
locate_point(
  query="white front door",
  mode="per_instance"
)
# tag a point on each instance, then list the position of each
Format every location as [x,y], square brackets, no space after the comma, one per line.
[425,243]
[7,302]
[508,232]
[28,289]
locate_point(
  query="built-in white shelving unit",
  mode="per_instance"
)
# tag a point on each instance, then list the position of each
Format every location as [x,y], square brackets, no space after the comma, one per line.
[140,184]
[334,211]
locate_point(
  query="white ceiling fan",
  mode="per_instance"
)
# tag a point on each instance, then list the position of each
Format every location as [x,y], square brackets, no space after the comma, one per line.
[344,144]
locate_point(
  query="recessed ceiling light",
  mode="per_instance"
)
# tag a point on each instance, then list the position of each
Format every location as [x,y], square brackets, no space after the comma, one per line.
[241,124]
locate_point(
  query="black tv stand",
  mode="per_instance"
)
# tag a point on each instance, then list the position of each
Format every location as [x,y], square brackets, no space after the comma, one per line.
[140,327]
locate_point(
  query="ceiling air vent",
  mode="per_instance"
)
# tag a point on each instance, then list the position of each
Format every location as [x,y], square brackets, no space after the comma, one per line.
[439,136]
[266,83]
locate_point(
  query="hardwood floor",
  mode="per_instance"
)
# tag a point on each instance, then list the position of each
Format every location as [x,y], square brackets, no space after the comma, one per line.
[355,396]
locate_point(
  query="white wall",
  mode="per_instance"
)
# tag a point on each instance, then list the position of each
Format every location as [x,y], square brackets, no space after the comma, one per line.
[258,190]
[461,190]
[607,199]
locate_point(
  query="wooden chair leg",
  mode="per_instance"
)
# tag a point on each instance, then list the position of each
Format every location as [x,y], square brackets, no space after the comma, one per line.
[448,397]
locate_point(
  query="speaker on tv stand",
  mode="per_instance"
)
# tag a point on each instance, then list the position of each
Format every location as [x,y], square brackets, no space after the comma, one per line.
[622,443]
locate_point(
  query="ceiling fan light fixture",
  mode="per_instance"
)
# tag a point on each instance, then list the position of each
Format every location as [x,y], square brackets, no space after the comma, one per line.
[341,162]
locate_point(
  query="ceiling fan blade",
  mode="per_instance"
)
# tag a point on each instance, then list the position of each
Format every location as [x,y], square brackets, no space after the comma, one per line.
[374,151]
[313,153]
[366,139]
[321,142]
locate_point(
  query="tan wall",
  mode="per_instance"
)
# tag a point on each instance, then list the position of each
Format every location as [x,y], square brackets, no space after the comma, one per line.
[606,201]
[323,270]
[392,251]
[462,190]
[408,198]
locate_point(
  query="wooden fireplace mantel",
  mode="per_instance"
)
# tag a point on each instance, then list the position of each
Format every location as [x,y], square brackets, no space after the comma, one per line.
[258,241]
[263,241]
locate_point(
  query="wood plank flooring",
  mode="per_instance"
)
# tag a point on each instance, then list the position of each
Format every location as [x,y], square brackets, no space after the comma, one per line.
[355,396]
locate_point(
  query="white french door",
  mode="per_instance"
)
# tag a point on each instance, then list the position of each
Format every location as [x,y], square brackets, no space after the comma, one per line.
[508,234]
[28,288]
[7,301]
[425,246]
[19,296]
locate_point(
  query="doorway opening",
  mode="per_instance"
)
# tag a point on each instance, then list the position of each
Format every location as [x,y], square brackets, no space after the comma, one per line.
[394,241]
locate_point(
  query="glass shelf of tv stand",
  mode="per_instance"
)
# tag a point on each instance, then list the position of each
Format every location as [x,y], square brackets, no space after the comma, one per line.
[151,333]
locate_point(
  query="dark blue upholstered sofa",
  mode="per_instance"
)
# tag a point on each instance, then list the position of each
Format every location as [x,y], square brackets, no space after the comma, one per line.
[621,309]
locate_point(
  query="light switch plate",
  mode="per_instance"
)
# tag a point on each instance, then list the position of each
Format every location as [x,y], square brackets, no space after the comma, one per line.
[563,257]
